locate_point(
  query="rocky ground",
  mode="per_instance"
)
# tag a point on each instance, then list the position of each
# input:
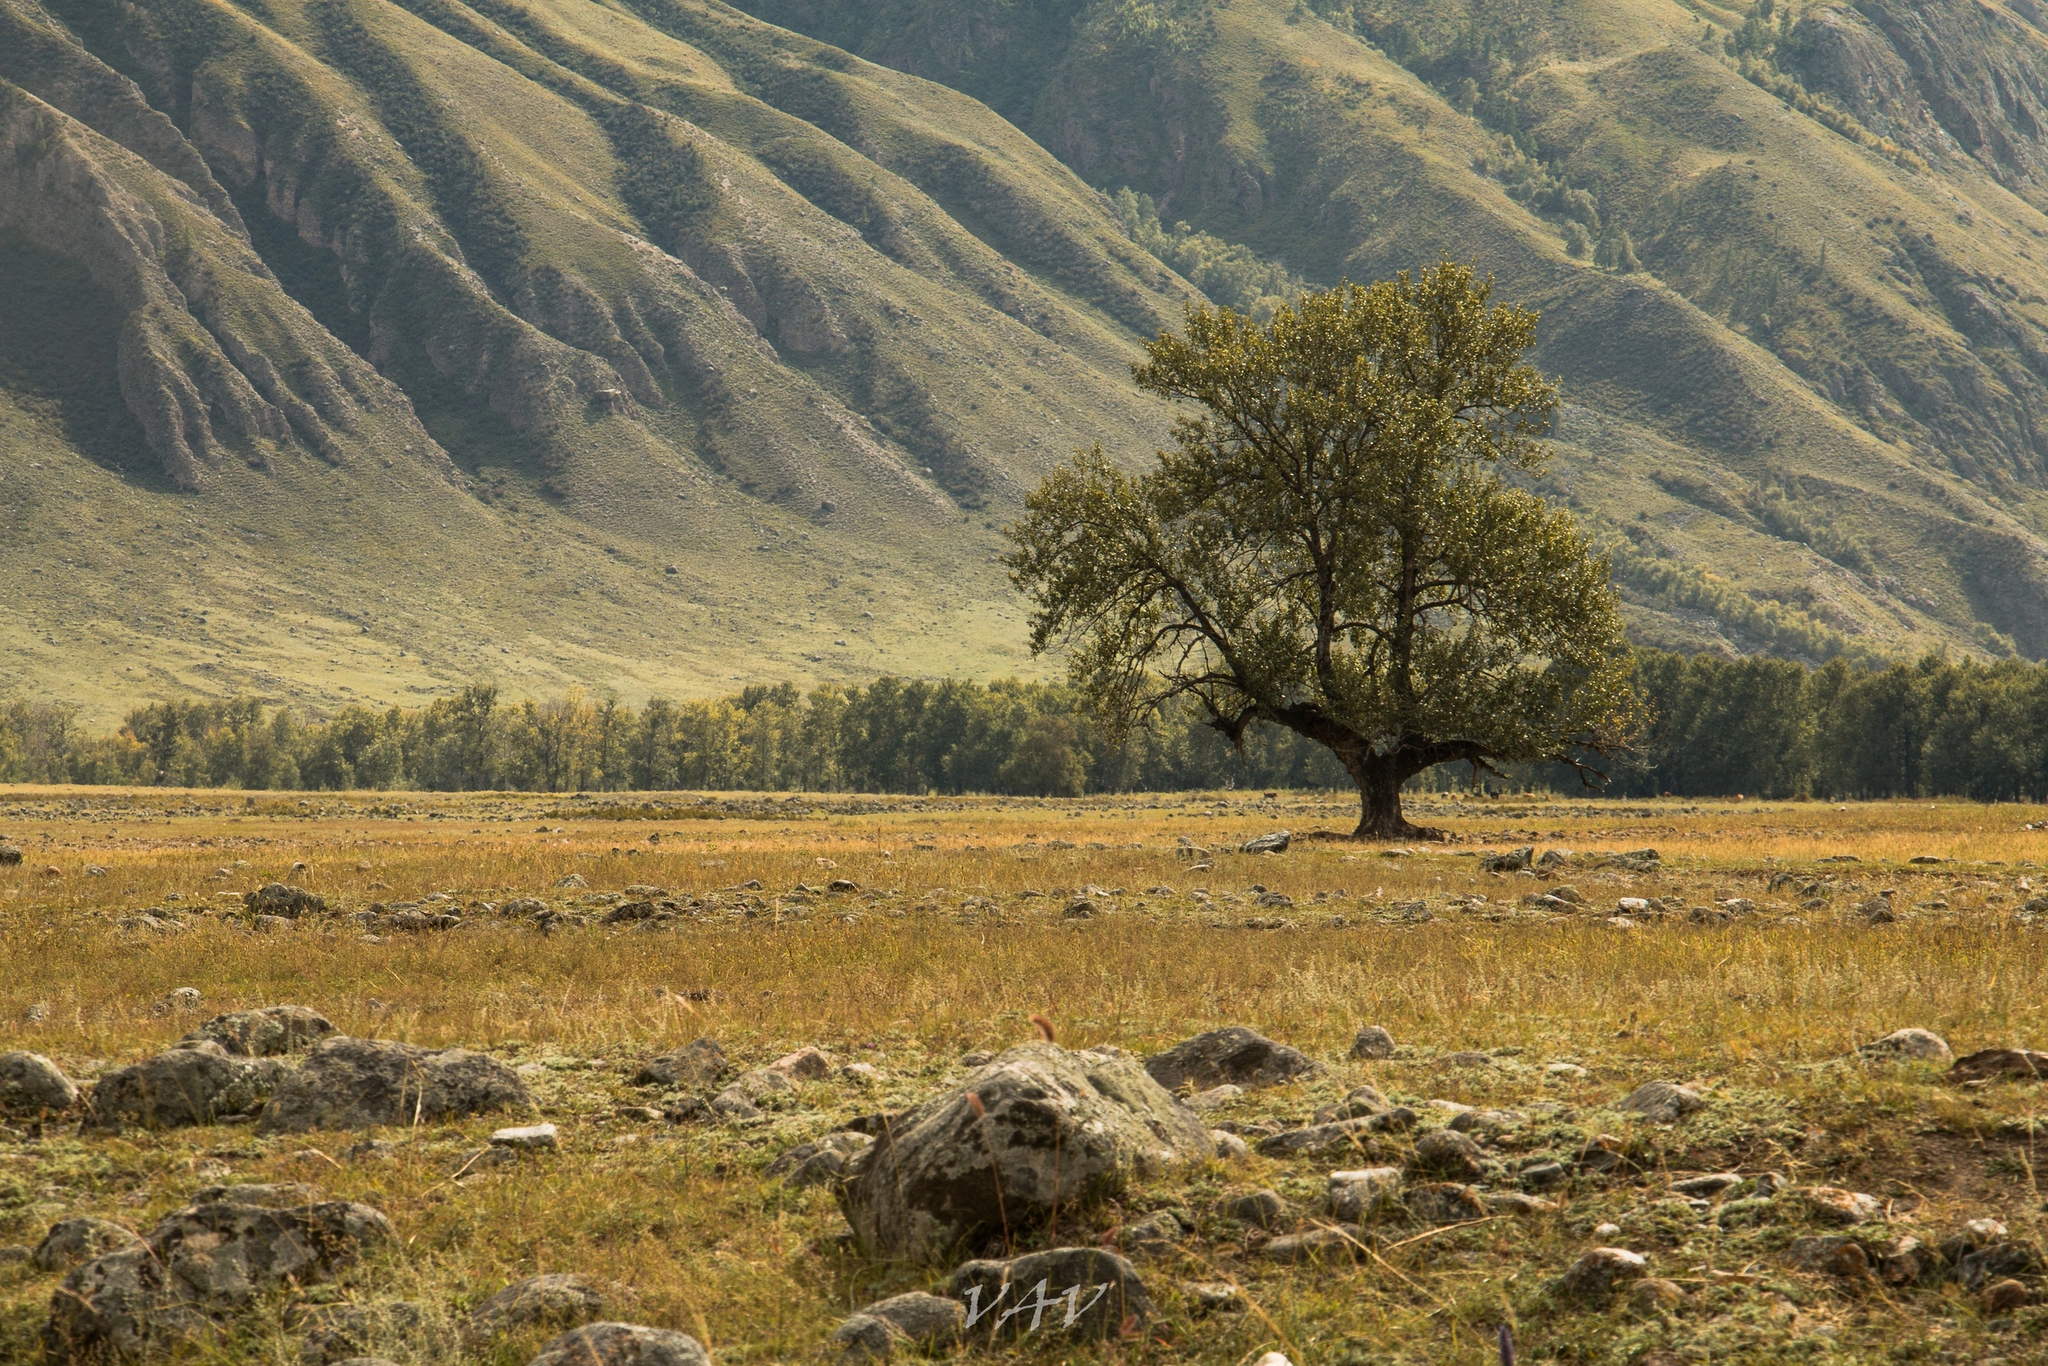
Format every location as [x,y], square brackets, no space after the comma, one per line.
[853,1080]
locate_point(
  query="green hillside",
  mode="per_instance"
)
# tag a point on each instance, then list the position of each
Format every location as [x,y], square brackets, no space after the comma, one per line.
[350,349]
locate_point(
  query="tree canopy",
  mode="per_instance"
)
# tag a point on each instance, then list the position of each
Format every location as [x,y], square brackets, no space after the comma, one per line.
[1331,544]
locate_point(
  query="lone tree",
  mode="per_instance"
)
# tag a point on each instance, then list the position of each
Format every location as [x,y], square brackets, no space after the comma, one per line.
[1330,545]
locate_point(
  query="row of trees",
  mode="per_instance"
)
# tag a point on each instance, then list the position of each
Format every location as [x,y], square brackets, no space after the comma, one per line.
[1758,726]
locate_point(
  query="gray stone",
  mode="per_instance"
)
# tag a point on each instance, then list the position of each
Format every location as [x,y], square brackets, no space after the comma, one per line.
[806,1064]
[1543,1176]
[1066,1293]
[1215,1097]
[1260,1208]
[622,1344]
[929,1321]
[1372,1042]
[1909,1045]
[570,882]
[1235,1055]
[1448,1154]
[1599,1273]
[269,1032]
[1513,862]
[1209,1297]
[1443,1202]
[1036,1128]
[1705,1187]
[1486,1122]
[1514,1202]
[1153,1232]
[9,855]
[1662,1102]
[1229,1147]
[1834,1256]
[119,1307]
[31,1085]
[862,1337]
[72,1242]
[282,900]
[1356,1196]
[820,1162]
[1274,843]
[528,1138]
[1347,1135]
[700,1063]
[1360,1103]
[1315,1245]
[1834,1205]
[177,1089]
[2021,1063]
[555,1300]
[366,1083]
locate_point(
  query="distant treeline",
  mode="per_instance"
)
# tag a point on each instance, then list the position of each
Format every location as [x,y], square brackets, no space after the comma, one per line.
[1762,727]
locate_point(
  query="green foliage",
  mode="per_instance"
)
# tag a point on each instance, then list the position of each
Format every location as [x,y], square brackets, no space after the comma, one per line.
[1230,274]
[1773,728]
[1330,547]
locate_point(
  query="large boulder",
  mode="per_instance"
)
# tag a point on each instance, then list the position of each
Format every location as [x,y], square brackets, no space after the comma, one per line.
[31,1086]
[180,1088]
[1068,1292]
[1036,1128]
[1235,1056]
[278,898]
[361,1083]
[269,1032]
[215,1256]
[622,1344]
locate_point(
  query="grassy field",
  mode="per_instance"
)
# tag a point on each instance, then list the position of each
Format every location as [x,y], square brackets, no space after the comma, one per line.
[958,934]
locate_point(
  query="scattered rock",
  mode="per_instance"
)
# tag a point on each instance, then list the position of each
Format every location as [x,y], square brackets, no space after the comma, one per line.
[1911,1045]
[1653,1294]
[1705,1187]
[1215,1096]
[2021,1063]
[749,1091]
[528,1138]
[1514,1202]
[1229,1147]
[32,1086]
[2002,1297]
[1209,1297]
[1234,1055]
[9,855]
[1448,1154]
[700,1063]
[571,882]
[1599,1273]
[806,1064]
[339,1334]
[1342,1134]
[180,1088]
[622,1344]
[1316,1244]
[1036,1128]
[917,1320]
[1080,1292]
[266,1033]
[1662,1102]
[1833,1205]
[1997,1260]
[1359,1103]
[363,1083]
[280,899]
[1372,1042]
[1275,843]
[1156,1231]
[1836,1256]
[71,1242]
[1443,1202]
[819,1163]
[1356,1196]
[1513,862]
[1544,1176]
[1570,1071]
[1878,910]
[1260,1208]
[555,1300]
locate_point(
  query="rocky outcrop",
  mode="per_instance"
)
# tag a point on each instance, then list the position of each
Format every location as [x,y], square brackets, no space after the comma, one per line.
[183,1087]
[31,1085]
[1037,1128]
[360,1083]
[270,1031]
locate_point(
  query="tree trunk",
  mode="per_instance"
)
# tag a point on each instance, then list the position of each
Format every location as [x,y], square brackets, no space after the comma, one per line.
[1379,780]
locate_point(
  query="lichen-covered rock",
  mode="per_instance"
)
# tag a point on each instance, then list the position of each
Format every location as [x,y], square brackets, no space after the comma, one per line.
[556,1300]
[1356,1196]
[1662,1102]
[73,1242]
[1037,1127]
[337,1334]
[119,1307]
[1235,1055]
[1833,1205]
[1065,1293]
[1450,1155]
[177,1089]
[1372,1042]
[282,899]
[1601,1272]
[915,1320]
[1337,1137]
[31,1086]
[699,1063]
[820,1162]
[360,1083]
[622,1344]
[1909,1045]
[269,1032]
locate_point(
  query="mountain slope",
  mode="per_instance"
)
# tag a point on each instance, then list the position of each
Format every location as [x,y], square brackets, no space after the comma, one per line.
[1825,381]
[528,307]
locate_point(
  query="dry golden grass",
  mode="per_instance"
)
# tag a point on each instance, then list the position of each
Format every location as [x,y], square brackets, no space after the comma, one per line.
[942,952]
